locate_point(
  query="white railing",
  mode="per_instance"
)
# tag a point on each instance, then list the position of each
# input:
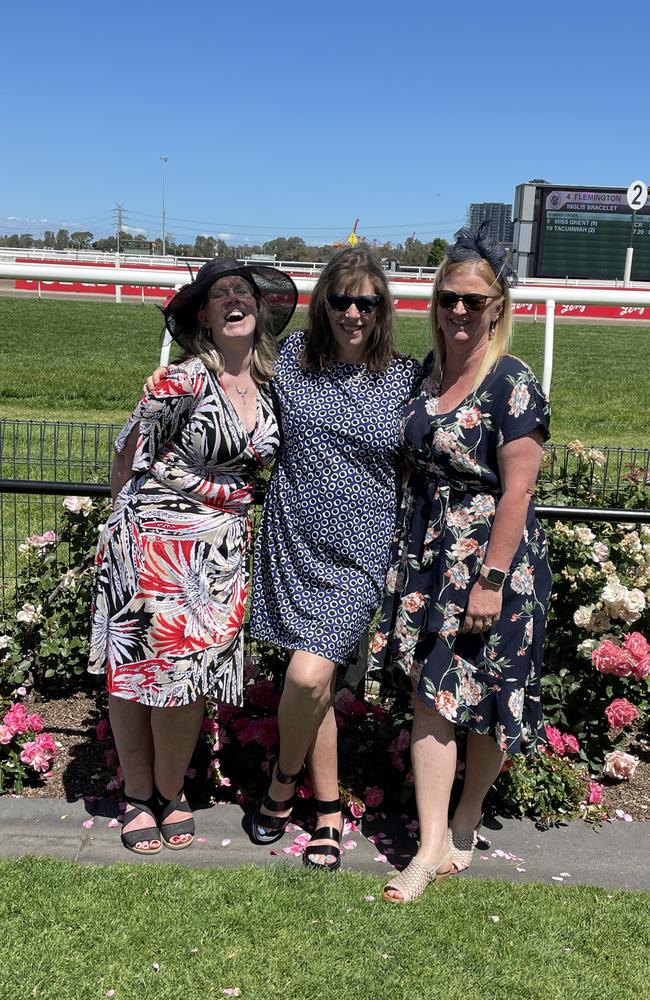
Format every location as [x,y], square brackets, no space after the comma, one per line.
[148,277]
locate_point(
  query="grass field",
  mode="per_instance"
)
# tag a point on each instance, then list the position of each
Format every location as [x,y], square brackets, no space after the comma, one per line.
[158,933]
[86,361]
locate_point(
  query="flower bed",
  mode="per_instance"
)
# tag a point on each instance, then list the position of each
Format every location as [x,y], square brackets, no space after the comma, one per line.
[595,686]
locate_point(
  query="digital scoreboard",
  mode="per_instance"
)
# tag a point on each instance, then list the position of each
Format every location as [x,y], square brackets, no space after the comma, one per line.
[579,232]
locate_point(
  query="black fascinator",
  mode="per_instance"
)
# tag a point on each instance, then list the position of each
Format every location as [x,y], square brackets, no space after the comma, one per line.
[472,244]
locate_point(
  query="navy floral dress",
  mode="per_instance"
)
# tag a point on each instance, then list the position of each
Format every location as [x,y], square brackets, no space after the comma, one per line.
[488,683]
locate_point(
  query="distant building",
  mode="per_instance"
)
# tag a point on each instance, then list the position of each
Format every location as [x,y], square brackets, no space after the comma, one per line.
[498,214]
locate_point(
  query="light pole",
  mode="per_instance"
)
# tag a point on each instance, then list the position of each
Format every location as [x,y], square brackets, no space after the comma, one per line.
[163,160]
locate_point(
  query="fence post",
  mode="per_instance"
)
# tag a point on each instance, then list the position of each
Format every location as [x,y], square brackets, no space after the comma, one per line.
[549,331]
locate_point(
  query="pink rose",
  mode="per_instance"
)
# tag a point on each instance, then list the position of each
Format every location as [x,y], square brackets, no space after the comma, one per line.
[373,797]
[609,658]
[621,713]
[34,722]
[595,796]
[356,808]
[620,766]
[46,743]
[35,757]
[637,645]
[16,719]
[6,735]
[102,730]
[571,744]
[554,737]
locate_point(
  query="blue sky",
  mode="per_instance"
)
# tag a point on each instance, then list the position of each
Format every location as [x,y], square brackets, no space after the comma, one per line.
[287,118]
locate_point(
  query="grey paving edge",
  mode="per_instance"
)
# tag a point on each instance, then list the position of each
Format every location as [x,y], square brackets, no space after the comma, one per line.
[615,857]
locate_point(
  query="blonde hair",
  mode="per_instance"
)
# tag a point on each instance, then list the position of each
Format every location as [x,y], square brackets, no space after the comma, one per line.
[265,349]
[499,343]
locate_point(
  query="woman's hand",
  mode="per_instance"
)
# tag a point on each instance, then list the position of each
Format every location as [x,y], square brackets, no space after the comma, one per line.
[153,380]
[483,607]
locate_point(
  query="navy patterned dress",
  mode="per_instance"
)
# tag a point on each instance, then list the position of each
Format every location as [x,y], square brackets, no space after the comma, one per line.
[489,683]
[323,545]
[172,561]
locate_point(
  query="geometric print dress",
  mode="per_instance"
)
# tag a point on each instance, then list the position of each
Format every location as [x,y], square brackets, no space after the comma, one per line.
[488,683]
[172,561]
[329,514]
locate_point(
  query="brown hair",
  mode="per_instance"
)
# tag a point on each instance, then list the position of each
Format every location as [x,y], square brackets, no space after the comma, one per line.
[499,344]
[346,272]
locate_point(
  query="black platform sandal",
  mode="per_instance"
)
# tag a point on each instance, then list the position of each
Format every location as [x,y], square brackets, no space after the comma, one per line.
[131,838]
[179,827]
[325,833]
[267,829]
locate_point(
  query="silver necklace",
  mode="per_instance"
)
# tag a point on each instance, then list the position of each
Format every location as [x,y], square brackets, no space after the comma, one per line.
[242,392]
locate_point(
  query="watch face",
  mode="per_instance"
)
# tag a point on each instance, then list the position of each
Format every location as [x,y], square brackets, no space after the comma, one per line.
[496,576]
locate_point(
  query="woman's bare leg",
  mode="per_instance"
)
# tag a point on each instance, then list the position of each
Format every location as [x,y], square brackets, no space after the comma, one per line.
[305,700]
[323,767]
[482,765]
[433,753]
[131,725]
[175,732]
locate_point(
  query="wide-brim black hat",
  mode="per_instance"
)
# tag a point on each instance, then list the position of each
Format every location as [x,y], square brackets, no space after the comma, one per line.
[269,284]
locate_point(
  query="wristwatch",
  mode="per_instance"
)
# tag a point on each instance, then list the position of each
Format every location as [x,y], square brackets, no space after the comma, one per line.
[497,577]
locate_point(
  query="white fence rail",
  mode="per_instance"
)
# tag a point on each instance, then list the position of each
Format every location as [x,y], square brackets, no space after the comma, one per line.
[421,290]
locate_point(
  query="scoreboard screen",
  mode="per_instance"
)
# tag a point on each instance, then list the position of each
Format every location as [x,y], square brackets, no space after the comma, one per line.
[585,233]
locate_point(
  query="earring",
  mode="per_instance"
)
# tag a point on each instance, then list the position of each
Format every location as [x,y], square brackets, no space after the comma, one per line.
[493,326]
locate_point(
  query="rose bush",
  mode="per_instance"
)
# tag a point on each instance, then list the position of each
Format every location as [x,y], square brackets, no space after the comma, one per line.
[26,752]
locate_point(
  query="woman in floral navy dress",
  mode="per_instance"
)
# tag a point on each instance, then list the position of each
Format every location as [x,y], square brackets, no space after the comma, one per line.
[172,561]
[469,582]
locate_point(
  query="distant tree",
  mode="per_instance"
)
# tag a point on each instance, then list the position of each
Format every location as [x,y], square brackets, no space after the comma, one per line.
[81,240]
[204,246]
[62,239]
[413,253]
[437,250]
[49,239]
[107,245]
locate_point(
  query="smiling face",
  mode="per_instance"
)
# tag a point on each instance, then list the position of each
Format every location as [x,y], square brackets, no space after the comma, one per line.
[466,331]
[230,310]
[352,329]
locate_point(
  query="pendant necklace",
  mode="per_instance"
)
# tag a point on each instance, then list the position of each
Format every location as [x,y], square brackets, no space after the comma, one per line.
[241,392]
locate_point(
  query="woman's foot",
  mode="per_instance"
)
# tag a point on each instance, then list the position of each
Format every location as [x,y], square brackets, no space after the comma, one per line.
[139,834]
[176,821]
[271,818]
[409,884]
[461,838]
[323,850]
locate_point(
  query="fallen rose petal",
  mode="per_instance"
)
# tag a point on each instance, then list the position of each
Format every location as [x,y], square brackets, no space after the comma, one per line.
[201,840]
[557,878]
[194,951]
[232,991]
[113,823]
[495,919]
[350,845]
[109,993]
[87,824]
[381,858]
[156,966]
[65,816]
[521,869]
[226,841]
[499,853]
[565,874]
[369,899]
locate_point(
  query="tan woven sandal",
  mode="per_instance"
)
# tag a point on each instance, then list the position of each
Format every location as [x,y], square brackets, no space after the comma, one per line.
[461,848]
[415,878]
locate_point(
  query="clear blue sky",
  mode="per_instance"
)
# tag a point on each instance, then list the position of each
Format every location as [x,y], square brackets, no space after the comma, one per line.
[287,118]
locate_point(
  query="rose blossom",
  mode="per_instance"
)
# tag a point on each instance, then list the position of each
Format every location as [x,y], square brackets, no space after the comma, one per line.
[620,766]
[636,645]
[571,744]
[608,658]
[584,535]
[35,756]
[16,719]
[595,796]
[28,613]
[373,797]
[582,616]
[554,737]
[633,606]
[6,734]
[46,742]
[621,713]
[78,505]
[600,552]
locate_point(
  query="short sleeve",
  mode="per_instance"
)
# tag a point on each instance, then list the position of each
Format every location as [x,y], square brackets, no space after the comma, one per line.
[525,406]
[161,413]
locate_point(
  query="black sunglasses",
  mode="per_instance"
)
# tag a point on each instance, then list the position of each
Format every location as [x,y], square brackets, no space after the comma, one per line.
[364,303]
[473,302]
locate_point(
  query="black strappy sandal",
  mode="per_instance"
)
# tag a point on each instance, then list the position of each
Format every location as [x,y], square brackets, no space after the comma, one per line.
[131,838]
[178,828]
[325,833]
[267,829]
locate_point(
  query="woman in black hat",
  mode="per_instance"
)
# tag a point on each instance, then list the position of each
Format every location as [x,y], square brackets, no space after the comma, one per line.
[172,573]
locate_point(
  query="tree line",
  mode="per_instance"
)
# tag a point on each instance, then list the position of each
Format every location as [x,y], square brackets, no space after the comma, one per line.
[412,252]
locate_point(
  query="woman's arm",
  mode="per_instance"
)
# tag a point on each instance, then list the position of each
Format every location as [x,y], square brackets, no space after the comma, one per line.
[123,462]
[519,462]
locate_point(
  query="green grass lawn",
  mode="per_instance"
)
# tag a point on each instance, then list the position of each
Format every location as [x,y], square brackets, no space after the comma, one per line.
[86,361]
[71,932]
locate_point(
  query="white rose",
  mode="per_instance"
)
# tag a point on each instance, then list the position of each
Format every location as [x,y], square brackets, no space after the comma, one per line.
[5,640]
[586,648]
[583,535]
[28,613]
[582,616]
[600,552]
[78,505]
[634,606]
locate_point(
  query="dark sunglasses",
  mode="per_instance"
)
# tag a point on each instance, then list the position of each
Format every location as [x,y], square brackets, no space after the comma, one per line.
[364,303]
[473,302]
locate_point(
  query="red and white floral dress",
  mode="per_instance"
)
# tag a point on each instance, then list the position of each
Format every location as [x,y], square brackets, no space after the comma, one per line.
[172,561]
